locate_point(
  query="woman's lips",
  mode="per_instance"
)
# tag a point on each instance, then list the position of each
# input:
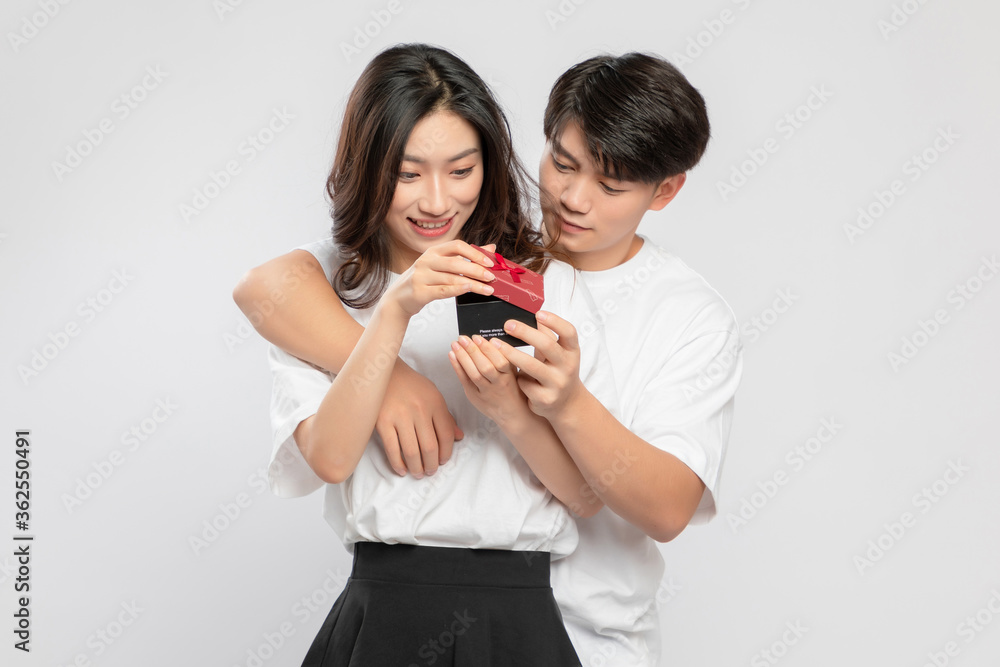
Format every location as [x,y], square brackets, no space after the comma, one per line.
[431,228]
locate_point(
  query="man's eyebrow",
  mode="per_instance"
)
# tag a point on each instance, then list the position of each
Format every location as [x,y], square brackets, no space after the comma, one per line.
[563,153]
[419,160]
[558,148]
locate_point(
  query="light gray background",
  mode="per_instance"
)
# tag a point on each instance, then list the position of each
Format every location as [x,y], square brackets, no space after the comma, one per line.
[174,334]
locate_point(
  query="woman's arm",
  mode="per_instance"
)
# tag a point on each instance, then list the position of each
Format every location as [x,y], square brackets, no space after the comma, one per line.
[333,440]
[491,385]
[290,303]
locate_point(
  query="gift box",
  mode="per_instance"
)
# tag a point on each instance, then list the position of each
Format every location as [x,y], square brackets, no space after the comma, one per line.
[517,295]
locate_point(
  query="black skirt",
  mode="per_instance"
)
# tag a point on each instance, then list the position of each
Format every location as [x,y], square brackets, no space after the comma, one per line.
[410,606]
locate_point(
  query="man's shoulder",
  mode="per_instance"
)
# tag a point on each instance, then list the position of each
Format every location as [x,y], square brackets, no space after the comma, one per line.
[663,286]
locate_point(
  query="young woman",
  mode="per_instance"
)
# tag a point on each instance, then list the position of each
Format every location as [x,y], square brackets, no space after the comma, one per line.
[450,567]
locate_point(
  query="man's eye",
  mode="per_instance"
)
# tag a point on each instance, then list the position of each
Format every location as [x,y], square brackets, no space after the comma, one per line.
[559,165]
[611,191]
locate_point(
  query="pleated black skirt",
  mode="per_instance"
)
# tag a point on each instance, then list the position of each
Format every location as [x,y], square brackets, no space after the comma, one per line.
[410,606]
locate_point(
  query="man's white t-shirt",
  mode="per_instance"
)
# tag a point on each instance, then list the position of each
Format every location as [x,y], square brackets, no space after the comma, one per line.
[676,361]
[485,497]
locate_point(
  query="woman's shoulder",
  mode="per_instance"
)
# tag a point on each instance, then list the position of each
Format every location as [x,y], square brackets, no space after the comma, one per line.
[327,253]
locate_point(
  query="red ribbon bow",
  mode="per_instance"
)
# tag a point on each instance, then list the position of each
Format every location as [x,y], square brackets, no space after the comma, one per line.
[502,265]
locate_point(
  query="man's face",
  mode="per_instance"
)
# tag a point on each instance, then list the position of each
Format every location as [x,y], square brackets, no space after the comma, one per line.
[595,215]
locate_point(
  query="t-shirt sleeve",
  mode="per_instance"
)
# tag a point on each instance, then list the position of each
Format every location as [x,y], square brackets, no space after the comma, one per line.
[325,252]
[687,407]
[298,389]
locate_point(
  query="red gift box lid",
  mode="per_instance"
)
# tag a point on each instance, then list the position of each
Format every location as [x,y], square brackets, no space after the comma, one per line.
[515,284]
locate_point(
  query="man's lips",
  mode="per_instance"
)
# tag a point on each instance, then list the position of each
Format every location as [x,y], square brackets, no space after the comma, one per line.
[568,226]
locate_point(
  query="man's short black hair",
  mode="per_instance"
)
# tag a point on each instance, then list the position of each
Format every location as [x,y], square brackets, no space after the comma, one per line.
[642,119]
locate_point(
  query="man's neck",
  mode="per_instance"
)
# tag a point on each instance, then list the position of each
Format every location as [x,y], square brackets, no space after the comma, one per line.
[609,258]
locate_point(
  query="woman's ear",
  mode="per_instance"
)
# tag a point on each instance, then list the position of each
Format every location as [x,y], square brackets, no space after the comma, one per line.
[667,190]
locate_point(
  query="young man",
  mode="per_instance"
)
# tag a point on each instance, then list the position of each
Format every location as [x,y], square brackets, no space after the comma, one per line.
[621,134]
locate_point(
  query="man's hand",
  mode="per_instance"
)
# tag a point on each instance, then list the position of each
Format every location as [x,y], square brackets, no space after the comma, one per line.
[550,379]
[416,429]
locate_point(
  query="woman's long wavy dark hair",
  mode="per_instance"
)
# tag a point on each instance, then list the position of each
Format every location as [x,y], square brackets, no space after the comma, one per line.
[399,87]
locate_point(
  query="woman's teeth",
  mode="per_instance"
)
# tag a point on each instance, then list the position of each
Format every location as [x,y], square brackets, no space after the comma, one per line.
[428,225]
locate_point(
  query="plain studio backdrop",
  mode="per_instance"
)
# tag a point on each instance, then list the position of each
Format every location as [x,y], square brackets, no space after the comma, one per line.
[153,152]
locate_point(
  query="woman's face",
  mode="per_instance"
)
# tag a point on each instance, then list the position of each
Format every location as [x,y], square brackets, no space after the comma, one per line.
[437,188]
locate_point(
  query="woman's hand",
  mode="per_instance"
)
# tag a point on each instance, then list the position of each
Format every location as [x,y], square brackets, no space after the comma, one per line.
[443,271]
[489,381]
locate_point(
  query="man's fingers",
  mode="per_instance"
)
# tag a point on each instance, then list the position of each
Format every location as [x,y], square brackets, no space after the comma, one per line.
[390,443]
[446,430]
[427,441]
[564,329]
[411,451]
[528,364]
[545,345]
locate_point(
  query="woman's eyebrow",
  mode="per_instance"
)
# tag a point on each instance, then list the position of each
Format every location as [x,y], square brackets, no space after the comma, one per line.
[419,160]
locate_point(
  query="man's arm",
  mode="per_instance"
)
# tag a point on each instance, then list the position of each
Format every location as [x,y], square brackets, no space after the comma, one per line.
[648,487]
[491,385]
[290,303]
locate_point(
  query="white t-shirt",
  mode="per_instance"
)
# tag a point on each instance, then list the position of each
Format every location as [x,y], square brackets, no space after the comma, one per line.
[676,361]
[484,497]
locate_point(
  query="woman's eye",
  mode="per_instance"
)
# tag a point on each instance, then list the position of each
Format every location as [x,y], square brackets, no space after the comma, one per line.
[407,176]
[463,172]
[559,165]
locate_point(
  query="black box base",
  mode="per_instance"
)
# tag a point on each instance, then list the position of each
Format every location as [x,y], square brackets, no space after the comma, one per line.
[485,315]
